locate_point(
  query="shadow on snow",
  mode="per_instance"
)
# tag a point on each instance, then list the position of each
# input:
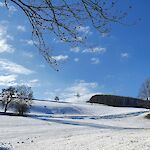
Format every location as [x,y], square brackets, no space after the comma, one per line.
[4,148]
[56,110]
[62,120]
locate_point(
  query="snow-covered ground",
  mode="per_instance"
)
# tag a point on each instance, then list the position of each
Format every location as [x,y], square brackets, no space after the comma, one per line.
[74,126]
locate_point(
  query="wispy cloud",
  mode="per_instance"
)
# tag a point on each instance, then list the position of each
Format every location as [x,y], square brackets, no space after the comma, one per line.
[76,59]
[11,80]
[4,45]
[81,87]
[58,40]
[84,29]
[41,65]
[61,58]
[99,50]
[27,42]
[104,34]
[11,8]
[27,54]
[124,55]
[21,28]
[8,80]
[79,39]
[13,67]
[95,60]
[30,83]
[75,49]
[2,4]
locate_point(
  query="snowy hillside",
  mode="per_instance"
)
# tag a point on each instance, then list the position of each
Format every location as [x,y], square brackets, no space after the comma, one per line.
[74,126]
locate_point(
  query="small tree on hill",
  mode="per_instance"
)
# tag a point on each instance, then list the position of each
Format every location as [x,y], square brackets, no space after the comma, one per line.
[7,97]
[57,98]
[23,99]
[78,95]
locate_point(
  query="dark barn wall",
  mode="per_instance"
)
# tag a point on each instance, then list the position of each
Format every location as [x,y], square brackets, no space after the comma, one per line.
[119,101]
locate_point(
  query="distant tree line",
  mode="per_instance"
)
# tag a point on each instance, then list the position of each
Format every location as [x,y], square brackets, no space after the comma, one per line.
[119,101]
[142,101]
[18,99]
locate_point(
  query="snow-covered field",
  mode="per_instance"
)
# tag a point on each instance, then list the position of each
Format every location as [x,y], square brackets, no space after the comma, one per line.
[70,126]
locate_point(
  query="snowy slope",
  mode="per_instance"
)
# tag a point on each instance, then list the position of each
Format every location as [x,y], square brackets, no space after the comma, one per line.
[75,126]
[50,107]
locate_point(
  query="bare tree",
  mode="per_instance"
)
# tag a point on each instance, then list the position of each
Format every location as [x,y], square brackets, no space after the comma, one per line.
[78,95]
[64,18]
[144,92]
[57,98]
[23,101]
[7,97]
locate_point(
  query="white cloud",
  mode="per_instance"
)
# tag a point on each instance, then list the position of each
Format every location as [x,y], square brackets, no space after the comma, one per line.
[75,49]
[11,8]
[42,66]
[4,45]
[104,34]
[2,4]
[21,28]
[84,89]
[76,59]
[81,87]
[95,60]
[27,54]
[124,55]
[28,42]
[58,40]
[10,37]
[11,80]
[60,58]
[81,99]
[34,82]
[30,83]
[78,39]
[84,29]
[99,50]
[8,80]
[13,67]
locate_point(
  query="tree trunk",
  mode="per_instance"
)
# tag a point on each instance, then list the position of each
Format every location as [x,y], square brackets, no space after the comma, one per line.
[6,108]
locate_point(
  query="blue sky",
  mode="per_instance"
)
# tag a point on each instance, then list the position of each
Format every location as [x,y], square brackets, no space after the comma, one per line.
[118,64]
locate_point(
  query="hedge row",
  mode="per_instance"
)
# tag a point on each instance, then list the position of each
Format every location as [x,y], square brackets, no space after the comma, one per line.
[119,101]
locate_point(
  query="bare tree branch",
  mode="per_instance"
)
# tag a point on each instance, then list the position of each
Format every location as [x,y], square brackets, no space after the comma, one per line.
[62,18]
